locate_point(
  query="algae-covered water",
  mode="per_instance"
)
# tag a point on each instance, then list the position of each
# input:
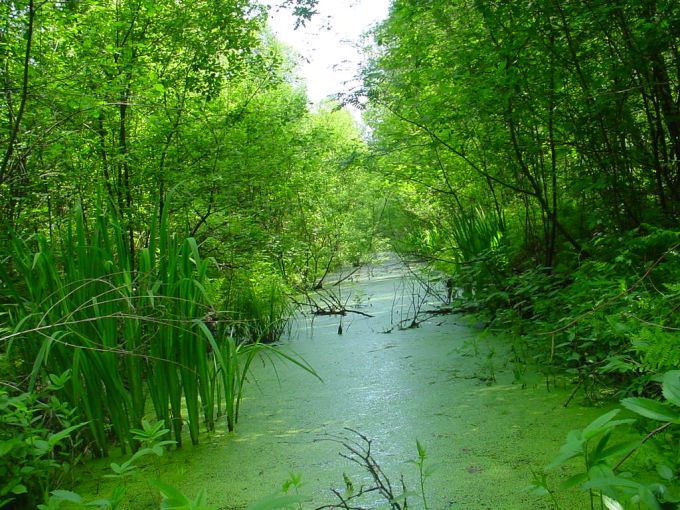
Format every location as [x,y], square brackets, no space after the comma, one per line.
[430,383]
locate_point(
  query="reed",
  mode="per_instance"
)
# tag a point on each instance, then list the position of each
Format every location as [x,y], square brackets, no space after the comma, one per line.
[260,312]
[233,360]
[69,302]
[130,338]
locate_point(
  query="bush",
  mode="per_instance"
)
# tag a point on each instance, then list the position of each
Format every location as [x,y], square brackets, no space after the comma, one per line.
[37,438]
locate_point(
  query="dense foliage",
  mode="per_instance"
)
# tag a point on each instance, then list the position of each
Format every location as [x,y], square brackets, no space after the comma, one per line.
[165,188]
[535,149]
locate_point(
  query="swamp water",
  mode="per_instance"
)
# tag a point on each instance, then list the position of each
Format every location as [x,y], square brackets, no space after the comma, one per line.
[429,383]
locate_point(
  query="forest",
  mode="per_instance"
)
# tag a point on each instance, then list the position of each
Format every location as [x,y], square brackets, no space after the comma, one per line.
[169,198]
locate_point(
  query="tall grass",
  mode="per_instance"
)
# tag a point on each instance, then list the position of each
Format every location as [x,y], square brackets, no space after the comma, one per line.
[70,308]
[127,338]
[260,311]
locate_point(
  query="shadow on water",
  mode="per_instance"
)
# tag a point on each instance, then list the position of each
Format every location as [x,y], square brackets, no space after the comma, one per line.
[429,383]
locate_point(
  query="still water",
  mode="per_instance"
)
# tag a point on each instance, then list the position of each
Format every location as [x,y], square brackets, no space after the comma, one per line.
[433,383]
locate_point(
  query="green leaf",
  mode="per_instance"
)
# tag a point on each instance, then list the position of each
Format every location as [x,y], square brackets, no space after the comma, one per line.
[71,497]
[421,451]
[665,472]
[620,449]
[575,480]
[671,386]
[173,496]
[648,498]
[602,424]
[116,468]
[570,449]
[7,446]
[538,490]
[41,446]
[19,489]
[54,439]
[651,409]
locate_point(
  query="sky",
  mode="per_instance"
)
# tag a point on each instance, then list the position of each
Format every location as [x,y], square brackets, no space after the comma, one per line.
[328,44]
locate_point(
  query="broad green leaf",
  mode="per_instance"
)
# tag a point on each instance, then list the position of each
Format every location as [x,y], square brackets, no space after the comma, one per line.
[19,489]
[7,446]
[665,472]
[538,490]
[575,480]
[671,386]
[173,496]
[620,449]
[601,424]
[71,497]
[652,409]
[648,497]
[54,439]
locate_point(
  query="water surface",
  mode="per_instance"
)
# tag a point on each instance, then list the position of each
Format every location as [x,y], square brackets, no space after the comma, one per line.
[430,383]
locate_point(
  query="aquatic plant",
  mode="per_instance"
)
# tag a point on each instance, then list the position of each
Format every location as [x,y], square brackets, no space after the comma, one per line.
[232,361]
[258,308]
[124,332]
[129,334]
[357,449]
[423,471]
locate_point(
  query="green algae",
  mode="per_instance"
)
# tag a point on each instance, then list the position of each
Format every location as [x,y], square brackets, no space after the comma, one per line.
[418,383]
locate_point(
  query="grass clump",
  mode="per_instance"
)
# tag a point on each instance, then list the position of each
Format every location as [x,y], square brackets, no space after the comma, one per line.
[131,334]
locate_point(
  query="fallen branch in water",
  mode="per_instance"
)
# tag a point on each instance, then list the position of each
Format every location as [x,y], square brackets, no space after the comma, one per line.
[353,498]
[447,310]
[338,311]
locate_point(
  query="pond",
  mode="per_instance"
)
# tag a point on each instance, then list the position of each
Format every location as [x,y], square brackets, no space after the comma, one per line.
[447,384]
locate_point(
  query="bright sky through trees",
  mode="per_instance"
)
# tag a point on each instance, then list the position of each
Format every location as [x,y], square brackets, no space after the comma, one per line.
[329,43]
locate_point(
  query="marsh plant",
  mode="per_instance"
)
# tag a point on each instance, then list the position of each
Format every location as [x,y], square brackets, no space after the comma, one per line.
[257,307]
[654,481]
[162,495]
[39,434]
[130,332]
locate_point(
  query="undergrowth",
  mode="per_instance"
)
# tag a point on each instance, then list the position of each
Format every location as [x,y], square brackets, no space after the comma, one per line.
[124,338]
[610,319]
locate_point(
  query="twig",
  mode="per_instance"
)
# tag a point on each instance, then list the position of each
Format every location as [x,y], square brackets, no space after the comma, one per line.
[573,393]
[349,275]
[654,432]
[360,454]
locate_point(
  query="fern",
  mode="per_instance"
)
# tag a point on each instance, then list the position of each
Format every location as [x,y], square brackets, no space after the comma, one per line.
[659,350]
